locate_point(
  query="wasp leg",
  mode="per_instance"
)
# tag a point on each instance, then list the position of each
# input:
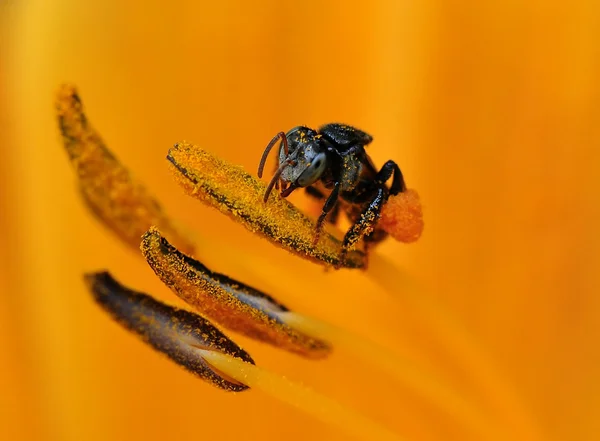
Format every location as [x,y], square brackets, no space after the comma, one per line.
[314,192]
[334,214]
[377,235]
[365,225]
[391,168]
[329,204]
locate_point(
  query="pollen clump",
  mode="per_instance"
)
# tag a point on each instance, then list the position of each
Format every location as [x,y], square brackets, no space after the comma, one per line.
[113,195]
[228,302]
[402,216]
[236,193]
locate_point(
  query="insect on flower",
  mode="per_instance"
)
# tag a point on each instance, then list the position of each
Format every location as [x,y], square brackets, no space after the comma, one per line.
[332,165]
[191,339]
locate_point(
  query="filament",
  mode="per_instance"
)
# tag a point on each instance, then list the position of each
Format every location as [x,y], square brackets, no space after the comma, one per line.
[301,397]
[400,369]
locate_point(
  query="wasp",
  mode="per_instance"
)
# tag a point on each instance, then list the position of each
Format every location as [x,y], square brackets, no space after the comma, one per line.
[331,164]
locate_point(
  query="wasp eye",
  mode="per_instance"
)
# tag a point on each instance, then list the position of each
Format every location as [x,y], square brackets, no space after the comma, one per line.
[314,171]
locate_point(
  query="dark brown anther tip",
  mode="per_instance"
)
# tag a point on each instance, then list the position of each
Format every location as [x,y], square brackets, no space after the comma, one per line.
[175,332]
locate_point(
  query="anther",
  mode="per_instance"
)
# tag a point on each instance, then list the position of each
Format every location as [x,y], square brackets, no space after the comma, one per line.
[177,333]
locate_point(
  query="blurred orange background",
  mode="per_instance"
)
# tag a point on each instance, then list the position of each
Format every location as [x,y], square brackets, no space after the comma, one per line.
[492,110]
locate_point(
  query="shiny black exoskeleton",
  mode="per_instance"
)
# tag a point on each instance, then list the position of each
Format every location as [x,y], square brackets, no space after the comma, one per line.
[332,164]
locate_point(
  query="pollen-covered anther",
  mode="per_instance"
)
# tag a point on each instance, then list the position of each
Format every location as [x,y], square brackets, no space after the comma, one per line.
[181,335]
[225,301]
[239,195]
[402,216]
[116,198]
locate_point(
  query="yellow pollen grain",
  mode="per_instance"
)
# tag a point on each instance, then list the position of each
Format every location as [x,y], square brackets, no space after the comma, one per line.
[239,195]
[122,203]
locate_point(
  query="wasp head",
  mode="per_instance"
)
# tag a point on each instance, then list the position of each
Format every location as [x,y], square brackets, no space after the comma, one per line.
[306,159]
[302,160]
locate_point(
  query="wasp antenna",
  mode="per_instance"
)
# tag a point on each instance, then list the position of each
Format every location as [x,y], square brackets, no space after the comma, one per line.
[275,178]
[284,144]
[263,160]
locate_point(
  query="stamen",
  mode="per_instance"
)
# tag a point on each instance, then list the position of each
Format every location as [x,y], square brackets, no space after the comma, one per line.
[118,200]
[228,302]
[319,406]
[236,193]
[177,333]
[433,391]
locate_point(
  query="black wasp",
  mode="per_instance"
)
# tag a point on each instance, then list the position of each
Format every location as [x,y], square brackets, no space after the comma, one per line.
[331,163]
